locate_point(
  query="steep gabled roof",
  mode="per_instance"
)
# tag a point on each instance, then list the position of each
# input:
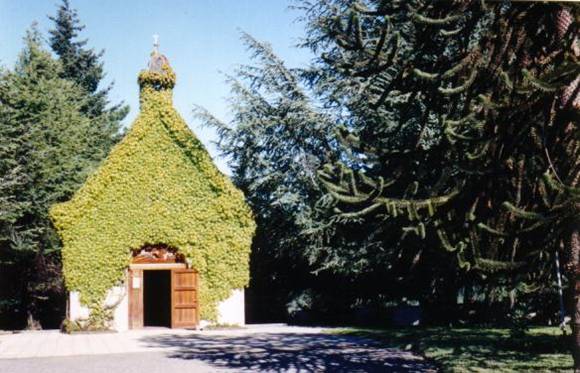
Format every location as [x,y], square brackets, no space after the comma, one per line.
[158,185]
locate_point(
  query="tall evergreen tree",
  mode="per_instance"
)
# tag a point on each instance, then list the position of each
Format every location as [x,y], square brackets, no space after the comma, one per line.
[79,64]
[458,126]
[12,181]
[50,146]
[279,137]
[275,143]
[388,125]
[470,140]
[84,66]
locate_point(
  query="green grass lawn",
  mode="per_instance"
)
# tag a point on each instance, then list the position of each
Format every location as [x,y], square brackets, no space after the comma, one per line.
[479,349]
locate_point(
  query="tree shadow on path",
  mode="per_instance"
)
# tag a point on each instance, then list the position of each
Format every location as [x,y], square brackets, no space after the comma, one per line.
[290,353]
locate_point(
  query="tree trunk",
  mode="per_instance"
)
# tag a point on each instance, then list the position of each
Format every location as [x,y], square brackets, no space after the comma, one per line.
[34,278]
[31,322]
[574,265]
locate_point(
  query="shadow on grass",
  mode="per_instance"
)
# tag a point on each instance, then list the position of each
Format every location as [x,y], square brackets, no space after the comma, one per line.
[472,348]
[291,352]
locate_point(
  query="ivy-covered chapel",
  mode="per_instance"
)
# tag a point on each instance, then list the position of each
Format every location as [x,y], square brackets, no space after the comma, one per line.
[157,235]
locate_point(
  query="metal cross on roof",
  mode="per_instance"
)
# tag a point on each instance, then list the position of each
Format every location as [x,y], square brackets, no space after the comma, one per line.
[156,43]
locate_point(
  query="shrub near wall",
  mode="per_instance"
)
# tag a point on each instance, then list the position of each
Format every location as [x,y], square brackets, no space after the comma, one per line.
[157,186]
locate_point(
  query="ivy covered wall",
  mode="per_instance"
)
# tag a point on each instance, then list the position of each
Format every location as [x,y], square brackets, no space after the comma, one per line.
[157,186]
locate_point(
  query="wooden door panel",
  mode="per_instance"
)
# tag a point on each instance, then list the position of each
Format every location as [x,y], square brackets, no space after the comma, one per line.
[135,284]
[184,305]
[185,278]
[185,298]
[184,318]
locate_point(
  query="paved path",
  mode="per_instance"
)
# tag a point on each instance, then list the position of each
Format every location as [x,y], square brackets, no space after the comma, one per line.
[255,349]
[51,343]
[154,362]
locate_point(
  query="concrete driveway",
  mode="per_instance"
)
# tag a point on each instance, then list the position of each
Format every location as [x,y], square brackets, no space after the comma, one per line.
[263,348]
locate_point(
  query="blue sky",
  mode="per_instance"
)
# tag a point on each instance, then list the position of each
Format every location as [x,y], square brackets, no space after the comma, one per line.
[200,38]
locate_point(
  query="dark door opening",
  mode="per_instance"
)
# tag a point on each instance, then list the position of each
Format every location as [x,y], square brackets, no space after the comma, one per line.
[157,298]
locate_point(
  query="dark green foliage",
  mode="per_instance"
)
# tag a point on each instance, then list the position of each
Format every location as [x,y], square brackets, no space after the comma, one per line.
[12,181]
[453,146]
[56,125]
[277,140]
[366,72]
[84,66]
[79,64]
[48,148]
[450,127]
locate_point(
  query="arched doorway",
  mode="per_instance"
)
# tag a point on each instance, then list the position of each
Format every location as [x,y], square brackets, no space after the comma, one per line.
[162,290]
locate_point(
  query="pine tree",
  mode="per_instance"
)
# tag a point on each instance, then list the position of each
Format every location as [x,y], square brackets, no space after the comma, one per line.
[462,121]
[279,137]
[12,182]
[50,147]
[388,125]
[81,65]
[84,66]
[11,173]
[275,142]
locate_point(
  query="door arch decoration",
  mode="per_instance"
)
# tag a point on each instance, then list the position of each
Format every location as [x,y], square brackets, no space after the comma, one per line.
[159,253]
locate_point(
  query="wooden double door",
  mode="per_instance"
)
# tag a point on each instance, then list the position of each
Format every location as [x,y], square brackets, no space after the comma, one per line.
[147,295]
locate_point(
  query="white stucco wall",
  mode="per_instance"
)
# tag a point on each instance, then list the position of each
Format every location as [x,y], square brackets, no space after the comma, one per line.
[76,311]
[230,311]
[117,294]
[121,314]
